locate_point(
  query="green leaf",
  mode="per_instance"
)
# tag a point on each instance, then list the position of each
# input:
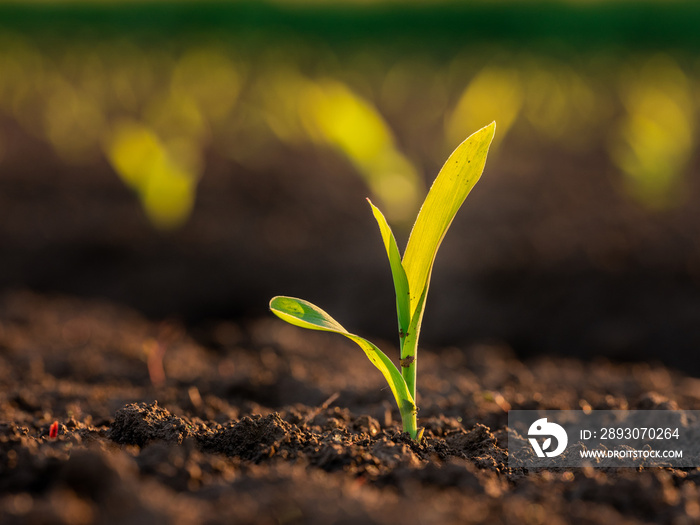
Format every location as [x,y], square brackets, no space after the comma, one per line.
[454,182]
[397,271]
[307,315]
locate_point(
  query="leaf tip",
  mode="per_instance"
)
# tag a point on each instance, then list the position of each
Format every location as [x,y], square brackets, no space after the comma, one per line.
[486,133]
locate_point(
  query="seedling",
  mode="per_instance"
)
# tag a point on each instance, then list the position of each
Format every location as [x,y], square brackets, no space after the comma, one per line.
[411,274]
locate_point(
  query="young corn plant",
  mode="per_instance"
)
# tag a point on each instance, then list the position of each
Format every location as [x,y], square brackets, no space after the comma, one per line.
[411,274]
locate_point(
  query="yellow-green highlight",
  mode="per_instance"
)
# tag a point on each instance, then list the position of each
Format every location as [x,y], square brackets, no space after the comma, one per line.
[383,117]
[495,93]
[654,141]
[165,188]
[334,114]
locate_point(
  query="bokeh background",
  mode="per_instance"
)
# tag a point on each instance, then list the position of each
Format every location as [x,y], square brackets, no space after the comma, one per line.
[193,159]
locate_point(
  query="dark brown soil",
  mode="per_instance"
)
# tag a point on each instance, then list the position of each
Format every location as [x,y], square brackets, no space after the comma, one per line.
[265,423]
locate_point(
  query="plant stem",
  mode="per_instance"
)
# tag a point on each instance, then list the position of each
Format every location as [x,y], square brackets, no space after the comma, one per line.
[408,418]
[408,372]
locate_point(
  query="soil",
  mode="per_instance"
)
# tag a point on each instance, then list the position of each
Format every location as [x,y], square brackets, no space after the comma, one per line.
[260,422]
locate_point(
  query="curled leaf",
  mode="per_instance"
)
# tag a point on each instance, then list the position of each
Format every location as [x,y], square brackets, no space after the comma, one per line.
[307,315]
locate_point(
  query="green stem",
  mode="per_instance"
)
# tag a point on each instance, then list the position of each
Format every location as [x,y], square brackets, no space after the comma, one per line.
[408,372]
[409,356]
[410,423]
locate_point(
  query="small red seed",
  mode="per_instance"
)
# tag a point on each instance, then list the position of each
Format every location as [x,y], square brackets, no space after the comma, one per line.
[53,430]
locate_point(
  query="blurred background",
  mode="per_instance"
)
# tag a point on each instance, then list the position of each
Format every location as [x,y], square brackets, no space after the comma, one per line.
[193,159]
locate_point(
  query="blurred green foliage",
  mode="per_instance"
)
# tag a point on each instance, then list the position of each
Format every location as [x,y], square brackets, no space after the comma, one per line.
[154,87]
[439,28]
